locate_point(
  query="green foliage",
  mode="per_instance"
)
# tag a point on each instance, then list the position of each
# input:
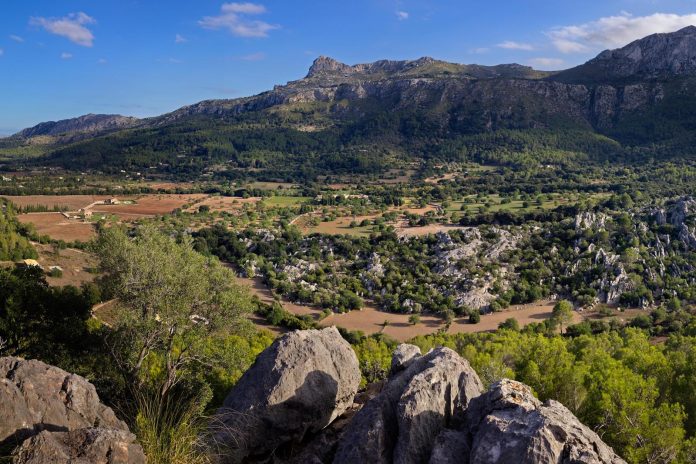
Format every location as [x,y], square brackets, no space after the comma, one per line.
[13,245]
[174,301]
[634,394]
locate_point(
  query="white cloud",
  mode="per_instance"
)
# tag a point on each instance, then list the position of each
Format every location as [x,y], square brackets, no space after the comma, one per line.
[511,45]
[615,31]
[402,15]
[254,56]
[73,27]
[480,50]
[102,61]
[65,56]
[234,18]
[546,63]
[180,39]
[16,38]
[2,52]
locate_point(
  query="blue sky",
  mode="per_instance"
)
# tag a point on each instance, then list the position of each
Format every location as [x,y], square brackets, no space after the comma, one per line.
[63,58]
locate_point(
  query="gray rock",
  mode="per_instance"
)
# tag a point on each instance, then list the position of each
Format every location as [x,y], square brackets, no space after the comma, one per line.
[451,447]
[298,385]
[403,356]
[402,422]
[82,446]
[509,425]
[35,396]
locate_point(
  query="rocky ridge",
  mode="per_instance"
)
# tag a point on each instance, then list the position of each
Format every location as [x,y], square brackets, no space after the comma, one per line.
[432,409]
[53,416]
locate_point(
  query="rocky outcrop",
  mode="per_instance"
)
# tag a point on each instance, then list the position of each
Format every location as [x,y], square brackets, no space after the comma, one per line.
[57,417]
[35,396]
[432,409]
[416,404]
[82,446]
[68,130]
[508,424]
[297,386]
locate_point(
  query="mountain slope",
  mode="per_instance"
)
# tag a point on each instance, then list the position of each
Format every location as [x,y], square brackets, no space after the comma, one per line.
[638,100]
[68,130]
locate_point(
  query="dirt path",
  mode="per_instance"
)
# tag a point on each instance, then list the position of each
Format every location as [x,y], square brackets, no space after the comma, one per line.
[371,319]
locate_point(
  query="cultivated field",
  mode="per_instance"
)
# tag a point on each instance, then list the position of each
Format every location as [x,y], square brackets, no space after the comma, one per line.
[150,205]
[67,202]
[58,227]
[220,203]
[75,264]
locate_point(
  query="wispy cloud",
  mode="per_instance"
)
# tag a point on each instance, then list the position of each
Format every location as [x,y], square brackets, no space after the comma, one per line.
[16,38]
[615,31]
[235,18]
[402,15]
[512,45]
[2,52]
[73,27]
[102,61]
[258,56]
[180,39]
[65,56]
[546,63]
[480,50]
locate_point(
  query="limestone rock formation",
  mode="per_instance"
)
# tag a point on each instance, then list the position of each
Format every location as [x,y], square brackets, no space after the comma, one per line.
[57,417]
[508,424]
[35,396]
[299,385]
[402,422]
[82,446]
[432,409]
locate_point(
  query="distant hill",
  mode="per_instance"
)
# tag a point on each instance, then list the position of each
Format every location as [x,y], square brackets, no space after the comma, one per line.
[634,102]
[69,130]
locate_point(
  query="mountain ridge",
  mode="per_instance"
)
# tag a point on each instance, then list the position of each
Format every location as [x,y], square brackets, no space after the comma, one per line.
[641,99]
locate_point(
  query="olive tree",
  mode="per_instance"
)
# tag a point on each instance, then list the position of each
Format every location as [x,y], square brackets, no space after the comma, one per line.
[173,302]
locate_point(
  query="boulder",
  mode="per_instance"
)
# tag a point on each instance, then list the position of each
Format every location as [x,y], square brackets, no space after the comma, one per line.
[402,357]
[35,396]
[82,446]
[298,385]
[402,422]
[508,424]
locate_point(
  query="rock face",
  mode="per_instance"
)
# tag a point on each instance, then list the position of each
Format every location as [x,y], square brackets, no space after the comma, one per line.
[299,385]
[401,423]
[82,446]
[71,129]
[653,56]
[508,424]
[57,417]
[432,409]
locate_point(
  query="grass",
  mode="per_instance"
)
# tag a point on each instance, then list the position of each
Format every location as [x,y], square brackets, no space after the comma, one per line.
[281,201]
[515,205]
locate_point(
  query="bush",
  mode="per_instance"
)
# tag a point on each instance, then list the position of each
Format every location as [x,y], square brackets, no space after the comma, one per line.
[474,317]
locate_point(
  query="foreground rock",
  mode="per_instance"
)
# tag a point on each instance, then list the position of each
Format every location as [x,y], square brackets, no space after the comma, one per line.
[83,446]
[402,422]
[431,410]
[53,413]
[299,385]
[508,424]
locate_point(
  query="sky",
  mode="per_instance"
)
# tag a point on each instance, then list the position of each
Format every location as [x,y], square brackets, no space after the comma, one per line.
[63,58]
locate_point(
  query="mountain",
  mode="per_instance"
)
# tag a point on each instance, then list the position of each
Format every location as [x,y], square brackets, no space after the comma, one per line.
[68,130]
[653,57]
[624,104]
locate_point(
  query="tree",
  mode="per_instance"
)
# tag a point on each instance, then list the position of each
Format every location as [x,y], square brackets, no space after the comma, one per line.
[474,317]
[562,313]
[510,324]
[414,319]
[174,302]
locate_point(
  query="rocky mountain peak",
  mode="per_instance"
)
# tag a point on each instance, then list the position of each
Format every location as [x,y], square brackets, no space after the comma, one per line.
[657,55]
[324,64]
